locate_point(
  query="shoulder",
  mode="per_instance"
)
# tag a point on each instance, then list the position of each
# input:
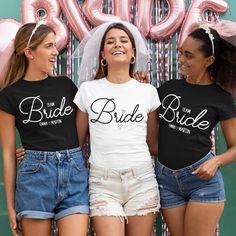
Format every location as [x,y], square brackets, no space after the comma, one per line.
[62,80]
[143,85]
[170,85]
[9,97]
[172,82]
[4,92]
[150,88]
[221,90]
[12,87]
[90,84]
[143,90]
[221,94]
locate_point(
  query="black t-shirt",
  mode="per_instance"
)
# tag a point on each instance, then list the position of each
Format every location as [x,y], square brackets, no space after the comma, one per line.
[188,115]
[44,112]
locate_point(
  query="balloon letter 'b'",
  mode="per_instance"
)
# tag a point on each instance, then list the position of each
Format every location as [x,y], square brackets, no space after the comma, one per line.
[52,10]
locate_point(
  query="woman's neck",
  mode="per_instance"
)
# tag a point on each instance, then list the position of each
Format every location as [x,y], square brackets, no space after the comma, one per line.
[202,79]
[118,75]
[35,76]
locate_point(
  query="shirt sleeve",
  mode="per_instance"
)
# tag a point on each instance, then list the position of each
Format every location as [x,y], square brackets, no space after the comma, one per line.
[80,98]
[227,109]
[160,91]
[73,86]
[7,103]
[155,100]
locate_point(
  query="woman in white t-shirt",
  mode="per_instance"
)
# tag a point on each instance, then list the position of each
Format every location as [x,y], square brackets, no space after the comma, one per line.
[120,115]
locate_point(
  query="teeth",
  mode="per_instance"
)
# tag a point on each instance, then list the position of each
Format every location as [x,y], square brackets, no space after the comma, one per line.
[118,52]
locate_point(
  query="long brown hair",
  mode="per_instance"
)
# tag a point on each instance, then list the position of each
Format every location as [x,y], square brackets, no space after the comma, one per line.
[18,62]
[103,71]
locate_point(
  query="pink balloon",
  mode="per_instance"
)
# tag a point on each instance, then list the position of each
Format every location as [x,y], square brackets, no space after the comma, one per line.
[122,9]
[73,15]
[93,11]
[9,27]
[143,20]
[52,9]
[171,23]
[195,18]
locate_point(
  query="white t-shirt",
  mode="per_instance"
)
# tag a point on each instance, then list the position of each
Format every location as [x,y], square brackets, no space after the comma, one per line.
[117,121]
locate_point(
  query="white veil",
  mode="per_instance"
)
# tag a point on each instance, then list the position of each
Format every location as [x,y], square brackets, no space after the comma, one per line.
[88,51]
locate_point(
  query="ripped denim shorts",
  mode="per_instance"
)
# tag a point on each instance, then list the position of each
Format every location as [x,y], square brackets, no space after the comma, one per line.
[123,192]
[177,187]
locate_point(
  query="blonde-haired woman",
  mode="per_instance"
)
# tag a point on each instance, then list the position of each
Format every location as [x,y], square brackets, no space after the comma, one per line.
[51,181]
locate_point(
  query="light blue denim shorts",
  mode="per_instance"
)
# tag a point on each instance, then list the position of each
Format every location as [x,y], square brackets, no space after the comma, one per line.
[177,187]
[51,185]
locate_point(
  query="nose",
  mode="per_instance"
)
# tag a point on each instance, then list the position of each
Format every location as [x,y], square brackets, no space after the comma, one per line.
[117,44]
[181,57]
[55,51]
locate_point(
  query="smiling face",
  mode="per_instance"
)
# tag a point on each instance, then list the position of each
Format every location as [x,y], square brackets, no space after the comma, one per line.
[117,47]
[44,56]
[193,62]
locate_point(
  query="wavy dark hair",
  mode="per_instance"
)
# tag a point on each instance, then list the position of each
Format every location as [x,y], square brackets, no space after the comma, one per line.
[223,70]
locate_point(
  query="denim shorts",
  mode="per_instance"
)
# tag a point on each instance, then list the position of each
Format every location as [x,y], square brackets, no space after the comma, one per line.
[123,192]
[51,185]
[177,187]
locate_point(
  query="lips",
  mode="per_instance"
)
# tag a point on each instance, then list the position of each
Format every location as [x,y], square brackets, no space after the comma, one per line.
[52,60]
[183,67]
[118,53]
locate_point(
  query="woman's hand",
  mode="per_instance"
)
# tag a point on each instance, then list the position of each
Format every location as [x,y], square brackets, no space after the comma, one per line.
[207,169]
[20,152]
[141,76]
[13,223]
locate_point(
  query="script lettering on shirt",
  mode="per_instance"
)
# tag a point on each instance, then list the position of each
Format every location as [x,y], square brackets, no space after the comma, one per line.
[37,112]
[171,103]
[105,109]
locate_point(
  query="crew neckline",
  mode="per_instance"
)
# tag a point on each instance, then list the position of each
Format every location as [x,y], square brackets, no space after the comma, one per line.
[36,81]
[118,85]
[197,85]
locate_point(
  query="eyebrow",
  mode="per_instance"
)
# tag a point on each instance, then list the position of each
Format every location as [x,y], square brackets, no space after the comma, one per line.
[49,44]
[188,52]
[185,51]
[119,37]
[46,43]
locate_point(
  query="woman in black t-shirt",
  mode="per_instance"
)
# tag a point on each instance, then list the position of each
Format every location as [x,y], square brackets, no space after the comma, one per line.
[190,182]
[51,181]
